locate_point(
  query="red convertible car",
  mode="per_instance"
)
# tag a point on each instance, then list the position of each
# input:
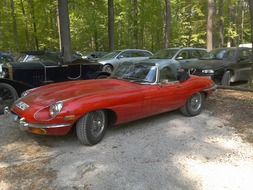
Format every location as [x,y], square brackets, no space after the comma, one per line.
[133,91]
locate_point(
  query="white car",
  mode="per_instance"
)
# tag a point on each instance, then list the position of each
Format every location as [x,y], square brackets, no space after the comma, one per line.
[111,60]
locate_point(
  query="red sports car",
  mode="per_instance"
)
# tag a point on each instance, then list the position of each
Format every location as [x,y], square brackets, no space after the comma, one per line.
[133,91]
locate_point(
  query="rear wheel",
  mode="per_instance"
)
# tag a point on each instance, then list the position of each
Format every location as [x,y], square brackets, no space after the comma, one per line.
[194,105]
[8,95]
[226,78]
[91,128]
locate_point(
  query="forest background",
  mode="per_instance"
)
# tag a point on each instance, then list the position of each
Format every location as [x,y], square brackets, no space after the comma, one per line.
[146,24]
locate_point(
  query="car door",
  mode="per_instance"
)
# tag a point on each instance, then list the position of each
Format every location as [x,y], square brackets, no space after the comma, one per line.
[167,95]
[183,56]
[244,65]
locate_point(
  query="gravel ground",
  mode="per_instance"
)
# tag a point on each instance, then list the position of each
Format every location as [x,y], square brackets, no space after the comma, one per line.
[168,151]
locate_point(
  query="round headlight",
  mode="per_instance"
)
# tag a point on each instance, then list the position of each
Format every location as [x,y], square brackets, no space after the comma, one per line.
[55,108]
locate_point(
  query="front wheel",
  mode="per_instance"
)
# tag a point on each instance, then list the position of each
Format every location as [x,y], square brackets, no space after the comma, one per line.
[226,78]
[8,95]
[194,105]
[108,68]
[91,128]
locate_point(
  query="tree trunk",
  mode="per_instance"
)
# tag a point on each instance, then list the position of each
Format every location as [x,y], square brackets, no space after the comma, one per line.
[64,31]
[26,25]
[135,22]
[221,27]
[251,20]
[15,32]
[35,37]
[167,23]
[210,25]
[111,24]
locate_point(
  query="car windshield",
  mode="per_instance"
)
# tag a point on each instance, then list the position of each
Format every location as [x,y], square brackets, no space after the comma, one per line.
[215,54]
[49,57]
[164,54]
[111,55]
[136,72]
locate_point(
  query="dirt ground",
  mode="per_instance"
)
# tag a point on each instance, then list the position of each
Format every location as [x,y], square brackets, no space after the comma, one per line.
[169,151]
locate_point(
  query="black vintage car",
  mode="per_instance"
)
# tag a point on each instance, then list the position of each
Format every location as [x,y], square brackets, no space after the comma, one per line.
[224,65]
[34,69]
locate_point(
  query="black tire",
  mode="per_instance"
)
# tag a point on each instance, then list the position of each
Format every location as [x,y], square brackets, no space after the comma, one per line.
[107,68]
[91,128]
[8,95]
[225,81]
[193,105]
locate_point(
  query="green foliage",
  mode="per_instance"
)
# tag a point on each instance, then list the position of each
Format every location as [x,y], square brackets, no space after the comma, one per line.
[135,27]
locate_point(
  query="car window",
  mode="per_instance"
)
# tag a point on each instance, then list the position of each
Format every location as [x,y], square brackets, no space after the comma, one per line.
[146,54]
[244,54]
[197,53]
[230,54]
[4,59]
[167,74]
[165,54]
[183,55]
[126,54]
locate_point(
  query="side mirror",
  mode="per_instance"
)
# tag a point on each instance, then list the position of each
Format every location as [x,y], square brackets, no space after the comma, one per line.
[182,75]
[120,57]
[179,58]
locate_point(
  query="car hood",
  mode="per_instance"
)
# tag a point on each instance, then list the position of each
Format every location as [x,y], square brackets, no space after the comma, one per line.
[67,91]
[205,64]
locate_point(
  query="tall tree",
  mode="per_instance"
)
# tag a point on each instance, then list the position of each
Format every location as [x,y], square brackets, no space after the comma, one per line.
[26,24]
[221,22]
[251,20]
[35,36]
[15,32]
[167,24]
[210,25]
[111,24]
[135,23]
[64,30]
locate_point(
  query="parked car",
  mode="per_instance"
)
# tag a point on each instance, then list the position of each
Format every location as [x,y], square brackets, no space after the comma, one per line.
[39,68]
[6,57]
[111,60]
[180,55]
[94,55]
[134,91]
[224,65]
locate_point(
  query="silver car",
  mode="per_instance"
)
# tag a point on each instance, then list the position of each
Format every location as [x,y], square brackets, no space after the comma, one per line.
[180,55]
[111,60]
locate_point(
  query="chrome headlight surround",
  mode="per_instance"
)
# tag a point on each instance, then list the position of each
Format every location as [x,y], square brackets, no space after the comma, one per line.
[55,109]
[208,71]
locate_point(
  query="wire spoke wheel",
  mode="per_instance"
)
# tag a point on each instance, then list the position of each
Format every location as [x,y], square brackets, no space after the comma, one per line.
[91,128]
[196,102]
[97,122]
[8,95]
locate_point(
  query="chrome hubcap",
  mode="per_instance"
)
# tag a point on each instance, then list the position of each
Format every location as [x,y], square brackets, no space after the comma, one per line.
[98,123]
[196,102]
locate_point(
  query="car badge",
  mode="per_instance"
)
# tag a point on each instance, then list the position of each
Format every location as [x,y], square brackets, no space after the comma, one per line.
[22,105]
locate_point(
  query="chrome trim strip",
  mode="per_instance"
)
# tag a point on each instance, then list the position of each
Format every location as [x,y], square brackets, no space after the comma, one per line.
[43,126]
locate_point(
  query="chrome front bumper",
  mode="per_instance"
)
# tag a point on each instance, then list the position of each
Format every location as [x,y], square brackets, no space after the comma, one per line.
[23,125]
